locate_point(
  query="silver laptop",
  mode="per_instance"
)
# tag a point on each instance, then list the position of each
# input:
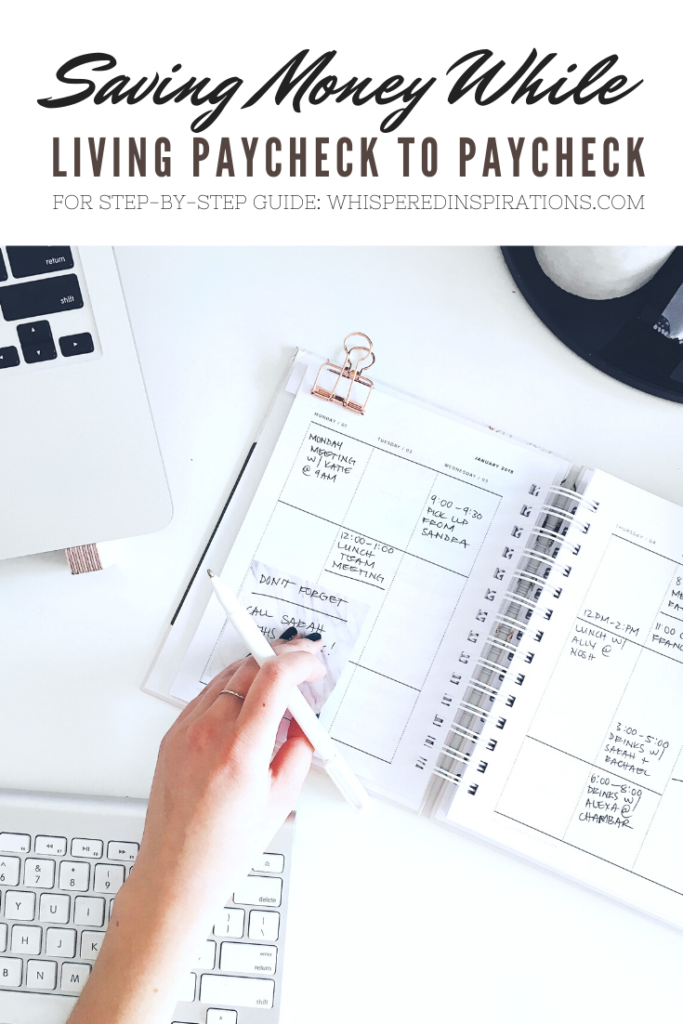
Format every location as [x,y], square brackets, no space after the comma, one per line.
[79,459]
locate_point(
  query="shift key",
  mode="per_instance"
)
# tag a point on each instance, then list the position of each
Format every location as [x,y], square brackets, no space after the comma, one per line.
[37,298]
[221,991]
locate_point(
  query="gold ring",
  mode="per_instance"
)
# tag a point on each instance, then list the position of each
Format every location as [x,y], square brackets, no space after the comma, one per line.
[233,693]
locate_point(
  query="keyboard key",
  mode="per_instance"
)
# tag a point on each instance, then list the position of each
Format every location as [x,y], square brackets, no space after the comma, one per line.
[74,875]
[264,924]
[3,269]
[26,938]
[20,906]
[89,910]
[122,851]
[254,890]
[9,870]
[38,351]
[14,842]
[74,977]
[77,344]
[39,874]
[37,343]
[54,846]
[245,958]
[108,877]
[221,1017]
[91,943]
[3,938]
[30,260]
[38,298]
[39,330]
[230,924]
[54,909]
[10,972]
[206,960]
[41,974]
[255,992]
[90,848]
[270,863]
[9,356]
[60,942]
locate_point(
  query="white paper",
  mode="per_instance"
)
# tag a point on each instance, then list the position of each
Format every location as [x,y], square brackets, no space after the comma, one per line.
[276,601]
[411,513]
[588,772]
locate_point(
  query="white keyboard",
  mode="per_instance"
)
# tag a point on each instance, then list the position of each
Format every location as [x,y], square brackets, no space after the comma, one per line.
[62,860]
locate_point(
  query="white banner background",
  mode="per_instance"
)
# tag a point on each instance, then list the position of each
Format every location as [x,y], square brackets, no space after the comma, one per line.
[218,40]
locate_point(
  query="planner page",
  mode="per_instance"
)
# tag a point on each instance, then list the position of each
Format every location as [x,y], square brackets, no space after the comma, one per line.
[412,514]
[584,770]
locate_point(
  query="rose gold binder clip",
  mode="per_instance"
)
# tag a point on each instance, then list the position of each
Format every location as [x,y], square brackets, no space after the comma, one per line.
[355,395]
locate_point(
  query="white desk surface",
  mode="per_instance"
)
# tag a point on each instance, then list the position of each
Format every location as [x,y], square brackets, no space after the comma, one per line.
[392,919]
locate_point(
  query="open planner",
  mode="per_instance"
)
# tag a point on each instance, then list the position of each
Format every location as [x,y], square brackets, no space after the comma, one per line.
[503,631]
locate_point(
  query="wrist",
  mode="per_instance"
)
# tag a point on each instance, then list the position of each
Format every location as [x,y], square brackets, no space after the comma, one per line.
[149,949]
[161,909]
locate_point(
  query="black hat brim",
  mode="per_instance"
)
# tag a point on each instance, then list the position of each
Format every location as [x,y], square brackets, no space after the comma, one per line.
[614,335]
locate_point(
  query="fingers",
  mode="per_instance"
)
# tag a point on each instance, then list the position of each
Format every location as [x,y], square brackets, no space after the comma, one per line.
[209,694]
[189,708]
[245,671]
[266,701]
[290,766]
[198,705]
[257,717]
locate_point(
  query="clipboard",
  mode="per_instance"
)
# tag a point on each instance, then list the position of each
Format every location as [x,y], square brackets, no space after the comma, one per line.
[421,719]
[343,384]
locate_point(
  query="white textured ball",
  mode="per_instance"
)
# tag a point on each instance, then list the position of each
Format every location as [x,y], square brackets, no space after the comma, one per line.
[601,271]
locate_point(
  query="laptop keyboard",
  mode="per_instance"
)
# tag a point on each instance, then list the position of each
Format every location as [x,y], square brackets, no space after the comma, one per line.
[56,897]
[44,306]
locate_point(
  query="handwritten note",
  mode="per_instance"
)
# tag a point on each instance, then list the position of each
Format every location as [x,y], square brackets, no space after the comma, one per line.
[410,514]
[278,601]
[598,763]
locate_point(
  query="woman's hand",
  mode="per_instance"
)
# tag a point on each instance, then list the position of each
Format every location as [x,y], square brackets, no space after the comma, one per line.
[217,799]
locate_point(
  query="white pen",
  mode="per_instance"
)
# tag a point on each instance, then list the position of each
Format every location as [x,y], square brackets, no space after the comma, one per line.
[334,764]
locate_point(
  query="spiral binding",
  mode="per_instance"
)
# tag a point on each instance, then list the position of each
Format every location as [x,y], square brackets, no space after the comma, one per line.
[520,604]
